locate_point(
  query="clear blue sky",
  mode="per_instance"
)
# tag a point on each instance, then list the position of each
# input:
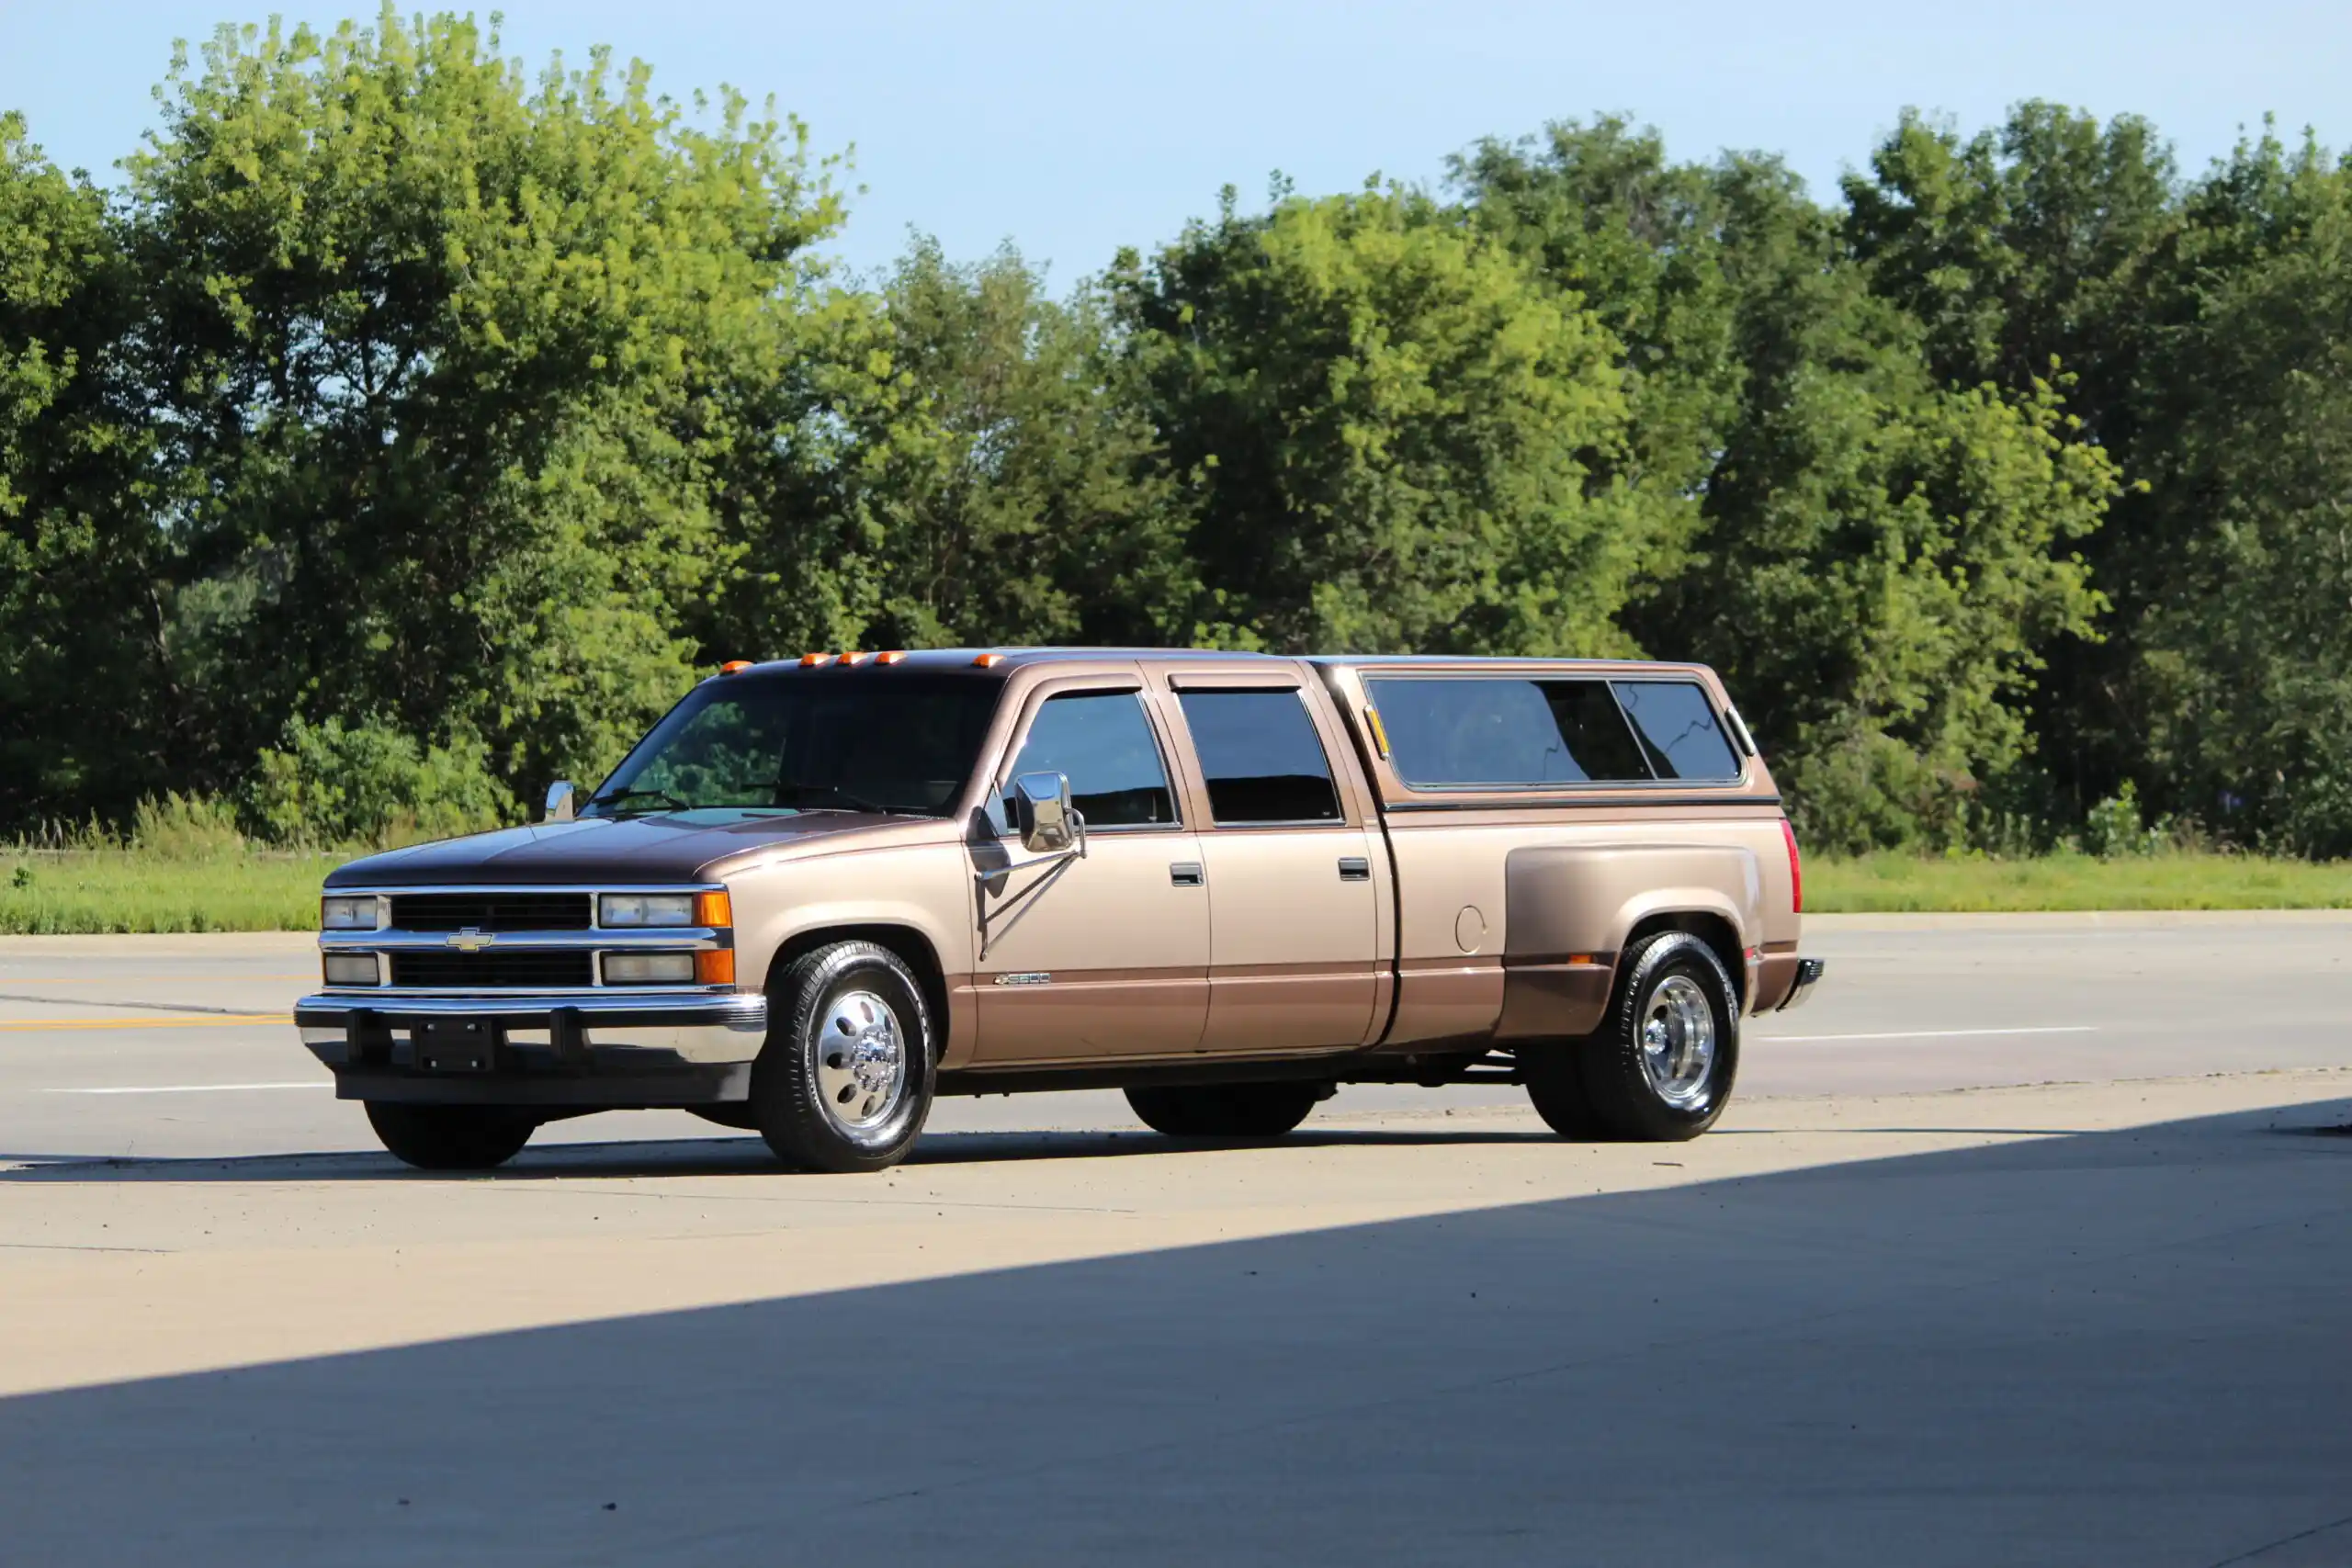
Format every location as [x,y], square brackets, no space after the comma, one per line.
[1072,129]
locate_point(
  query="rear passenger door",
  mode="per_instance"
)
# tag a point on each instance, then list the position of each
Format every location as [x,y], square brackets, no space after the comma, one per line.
[1293,933]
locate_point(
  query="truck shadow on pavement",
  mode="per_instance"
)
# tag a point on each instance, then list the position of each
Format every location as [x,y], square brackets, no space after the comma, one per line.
[744,1154]
[2117,1346]
[737,1155]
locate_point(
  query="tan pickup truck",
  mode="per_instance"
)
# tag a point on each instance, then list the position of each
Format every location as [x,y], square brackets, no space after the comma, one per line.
[821,893]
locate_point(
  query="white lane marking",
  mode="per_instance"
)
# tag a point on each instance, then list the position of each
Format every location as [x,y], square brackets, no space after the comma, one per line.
[191,1087]
[207,1020]
[1932,1033]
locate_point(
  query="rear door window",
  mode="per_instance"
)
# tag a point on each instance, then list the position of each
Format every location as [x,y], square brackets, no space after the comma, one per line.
[1679,729]
[1260,758]
[1104,744]
[1512,732]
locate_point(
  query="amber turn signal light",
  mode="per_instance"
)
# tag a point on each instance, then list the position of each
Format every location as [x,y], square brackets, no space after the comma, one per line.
[714,909]
[714,966]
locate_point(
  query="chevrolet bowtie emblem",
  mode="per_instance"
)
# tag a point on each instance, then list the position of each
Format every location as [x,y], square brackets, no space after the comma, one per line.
[471,940]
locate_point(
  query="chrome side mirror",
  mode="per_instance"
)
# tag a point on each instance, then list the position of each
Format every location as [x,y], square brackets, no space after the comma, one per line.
[560,801]
[1044,817]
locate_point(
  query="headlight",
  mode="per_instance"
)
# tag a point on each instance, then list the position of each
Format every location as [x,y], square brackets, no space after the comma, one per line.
[351,969]
[649,968]
[647,909]
[338,913]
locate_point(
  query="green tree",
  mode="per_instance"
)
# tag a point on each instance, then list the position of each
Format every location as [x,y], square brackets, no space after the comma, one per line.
[1601,215]
[2241,683]
[2050,238]
[1024,499]
[1882,560]
[1389,434]
[86,708]
[969,471]
[1885,557]
[2032,239]
[448,354]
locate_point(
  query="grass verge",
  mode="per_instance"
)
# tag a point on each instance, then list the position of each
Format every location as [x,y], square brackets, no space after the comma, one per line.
[46,892]
[70,891]
[1888,884]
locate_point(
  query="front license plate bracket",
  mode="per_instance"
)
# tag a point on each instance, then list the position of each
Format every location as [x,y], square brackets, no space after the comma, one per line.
[457,1044]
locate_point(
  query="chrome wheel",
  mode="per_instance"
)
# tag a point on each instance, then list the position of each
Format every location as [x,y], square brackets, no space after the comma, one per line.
[1678,1042]
[861,1061]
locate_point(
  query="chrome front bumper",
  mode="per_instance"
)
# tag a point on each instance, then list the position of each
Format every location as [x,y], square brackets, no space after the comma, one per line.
[646,1048]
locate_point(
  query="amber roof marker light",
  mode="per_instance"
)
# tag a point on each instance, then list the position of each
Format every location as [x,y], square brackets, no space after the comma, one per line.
[734,664]
[989,660]
[815,660]
[893,656]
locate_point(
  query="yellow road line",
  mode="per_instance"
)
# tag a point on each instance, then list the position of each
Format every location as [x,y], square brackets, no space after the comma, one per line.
[36,1025]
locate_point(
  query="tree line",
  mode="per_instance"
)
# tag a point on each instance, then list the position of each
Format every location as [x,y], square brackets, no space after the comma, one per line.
[408,428]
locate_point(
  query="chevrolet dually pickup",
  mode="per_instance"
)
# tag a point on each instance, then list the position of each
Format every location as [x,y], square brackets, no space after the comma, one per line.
[822,891]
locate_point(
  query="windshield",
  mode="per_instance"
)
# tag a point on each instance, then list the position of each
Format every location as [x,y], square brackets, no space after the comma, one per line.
[836,742]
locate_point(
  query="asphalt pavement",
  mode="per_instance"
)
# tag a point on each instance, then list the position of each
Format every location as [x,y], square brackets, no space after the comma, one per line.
[2025,1242]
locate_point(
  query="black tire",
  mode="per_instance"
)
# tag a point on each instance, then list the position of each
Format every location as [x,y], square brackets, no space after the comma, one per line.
[1553,1071]
[1225,1110]
[451,1137]
[811,1057]
[1661,972]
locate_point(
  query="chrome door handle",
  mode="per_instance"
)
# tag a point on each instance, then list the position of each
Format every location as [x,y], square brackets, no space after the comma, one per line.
[1354,868]
[1185,874]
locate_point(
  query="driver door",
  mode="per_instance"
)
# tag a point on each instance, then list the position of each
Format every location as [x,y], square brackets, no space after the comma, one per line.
[1107,956]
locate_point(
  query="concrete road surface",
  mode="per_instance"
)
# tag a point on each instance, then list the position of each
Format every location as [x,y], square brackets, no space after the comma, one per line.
[2029,1242]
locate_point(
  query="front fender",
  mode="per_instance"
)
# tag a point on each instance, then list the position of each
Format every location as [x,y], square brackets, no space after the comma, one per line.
[919,888]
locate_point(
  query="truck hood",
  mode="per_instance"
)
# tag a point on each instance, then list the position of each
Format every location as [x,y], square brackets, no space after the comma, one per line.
[673,846]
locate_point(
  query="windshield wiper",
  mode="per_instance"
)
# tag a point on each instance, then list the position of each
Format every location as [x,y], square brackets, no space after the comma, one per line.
[835,798]
[611,797]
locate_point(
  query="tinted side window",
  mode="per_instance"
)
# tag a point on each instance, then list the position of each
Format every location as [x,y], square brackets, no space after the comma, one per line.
[1260,756]
[1103,742]
[1679,729]
[1501,733]
[1593,732]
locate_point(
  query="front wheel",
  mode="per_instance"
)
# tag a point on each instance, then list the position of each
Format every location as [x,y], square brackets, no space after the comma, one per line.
[1660,1068]
[451,1137]
[1225,1110]
[844,1082]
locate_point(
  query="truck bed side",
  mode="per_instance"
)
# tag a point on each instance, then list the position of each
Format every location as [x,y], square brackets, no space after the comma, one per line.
[1513,907]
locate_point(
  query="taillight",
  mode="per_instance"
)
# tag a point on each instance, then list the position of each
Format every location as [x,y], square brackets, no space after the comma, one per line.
[1796,867]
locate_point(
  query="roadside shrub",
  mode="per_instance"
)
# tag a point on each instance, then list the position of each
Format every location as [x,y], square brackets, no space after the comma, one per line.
[1862,790]
[324,784]
[2114,827]
[186,827]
